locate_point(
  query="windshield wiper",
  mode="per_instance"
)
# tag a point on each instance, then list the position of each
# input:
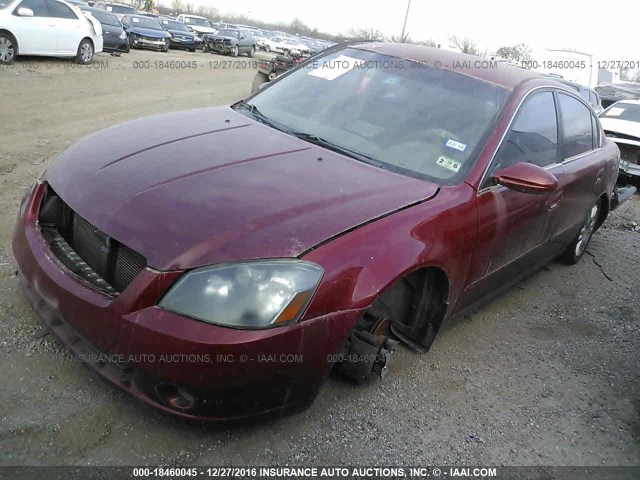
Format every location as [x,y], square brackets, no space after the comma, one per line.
[257,114]
[316,140]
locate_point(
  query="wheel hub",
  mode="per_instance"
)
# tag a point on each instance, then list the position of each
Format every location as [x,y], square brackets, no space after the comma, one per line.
[6,50]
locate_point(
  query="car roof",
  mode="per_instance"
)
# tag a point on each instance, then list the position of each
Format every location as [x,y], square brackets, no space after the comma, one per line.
[193,16]
[499,73]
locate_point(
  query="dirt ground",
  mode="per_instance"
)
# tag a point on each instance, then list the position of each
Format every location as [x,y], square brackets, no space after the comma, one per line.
[548,374]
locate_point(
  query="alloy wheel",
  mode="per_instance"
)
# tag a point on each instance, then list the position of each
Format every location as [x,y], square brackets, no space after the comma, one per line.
[86,52]
[7,50]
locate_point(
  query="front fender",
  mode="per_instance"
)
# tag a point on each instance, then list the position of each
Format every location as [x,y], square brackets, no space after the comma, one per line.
[360,264]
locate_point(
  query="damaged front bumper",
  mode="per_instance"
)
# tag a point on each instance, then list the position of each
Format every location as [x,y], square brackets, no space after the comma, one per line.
[171,362]
[621,194]
[629,156]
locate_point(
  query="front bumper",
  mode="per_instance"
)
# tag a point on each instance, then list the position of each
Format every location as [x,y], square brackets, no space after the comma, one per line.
[185,367]
[219,47]
[621,195]
[117,45]
[154,44]
[177,42]
[629,156]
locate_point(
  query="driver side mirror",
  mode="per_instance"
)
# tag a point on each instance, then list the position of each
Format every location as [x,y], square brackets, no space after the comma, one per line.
[24,12]
[526,178]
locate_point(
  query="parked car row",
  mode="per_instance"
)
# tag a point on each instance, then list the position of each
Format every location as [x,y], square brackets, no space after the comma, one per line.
[84,28]
[48,28]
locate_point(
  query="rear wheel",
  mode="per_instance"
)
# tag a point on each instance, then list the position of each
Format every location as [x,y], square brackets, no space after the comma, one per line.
[8,48]
[85,52]
[235,51]
[192,50]
[578,246]
[251,52]
[267,49]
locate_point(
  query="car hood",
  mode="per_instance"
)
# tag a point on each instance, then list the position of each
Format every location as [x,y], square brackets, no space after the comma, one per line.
[624,127]
[180,33]
[222,37]
[149,32]
[206,186]
[199,29]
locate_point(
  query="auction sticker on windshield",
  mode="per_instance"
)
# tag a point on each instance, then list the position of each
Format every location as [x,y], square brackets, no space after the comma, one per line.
[332,69]
[449,163]
[456,145]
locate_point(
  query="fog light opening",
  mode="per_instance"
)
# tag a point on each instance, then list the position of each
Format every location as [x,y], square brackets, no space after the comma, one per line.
[175,397]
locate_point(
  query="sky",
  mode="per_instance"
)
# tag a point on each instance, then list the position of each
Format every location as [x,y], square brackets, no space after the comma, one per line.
[490,23]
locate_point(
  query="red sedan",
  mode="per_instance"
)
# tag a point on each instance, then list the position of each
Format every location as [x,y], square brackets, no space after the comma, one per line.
[217,263]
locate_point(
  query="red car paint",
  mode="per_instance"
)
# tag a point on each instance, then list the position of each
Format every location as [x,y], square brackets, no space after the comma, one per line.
[188,189]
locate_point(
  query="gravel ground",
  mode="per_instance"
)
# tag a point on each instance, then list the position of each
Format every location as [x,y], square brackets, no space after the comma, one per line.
[547,374]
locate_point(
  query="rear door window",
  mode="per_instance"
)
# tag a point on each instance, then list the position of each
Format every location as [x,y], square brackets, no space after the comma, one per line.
[576,125]
[39,7]
[59,10]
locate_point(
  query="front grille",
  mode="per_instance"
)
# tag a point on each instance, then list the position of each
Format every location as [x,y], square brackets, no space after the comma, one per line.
[88,252]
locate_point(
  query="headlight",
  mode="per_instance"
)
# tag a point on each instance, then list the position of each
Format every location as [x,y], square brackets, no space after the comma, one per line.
[249,295]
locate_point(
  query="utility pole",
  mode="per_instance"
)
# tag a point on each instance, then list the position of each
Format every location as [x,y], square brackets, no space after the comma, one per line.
[406,16]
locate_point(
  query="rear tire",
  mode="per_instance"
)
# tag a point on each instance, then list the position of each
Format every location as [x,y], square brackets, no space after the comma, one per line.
[258,80]
[192,50]
[235,52]
[251,52]
[8,48]
[85,52]
[578,246]
[267,49]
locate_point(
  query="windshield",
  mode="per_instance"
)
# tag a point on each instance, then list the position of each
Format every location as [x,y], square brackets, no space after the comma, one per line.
[175,25]
[145,22]
[406,117]
[227,33]
[121,9]
[199,22]
[623,111]
[104,17]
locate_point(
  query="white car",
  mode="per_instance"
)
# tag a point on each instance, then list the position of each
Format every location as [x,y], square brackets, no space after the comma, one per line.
[198,25]
[621,123]
[281,44]
[47,27]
